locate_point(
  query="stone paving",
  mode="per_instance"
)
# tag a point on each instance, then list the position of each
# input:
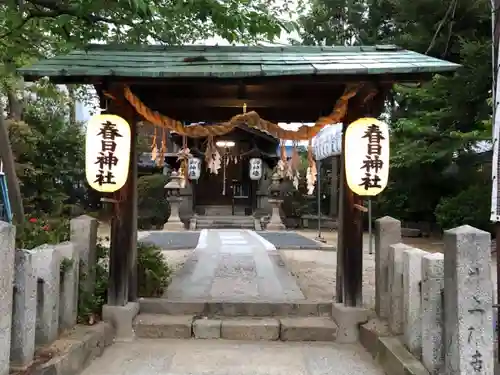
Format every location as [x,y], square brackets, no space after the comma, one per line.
[171,240]
[290,240]
[234,265]
[217,357]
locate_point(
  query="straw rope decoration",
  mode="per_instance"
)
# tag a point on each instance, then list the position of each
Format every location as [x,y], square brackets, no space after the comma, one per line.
[251,119]
[154,148]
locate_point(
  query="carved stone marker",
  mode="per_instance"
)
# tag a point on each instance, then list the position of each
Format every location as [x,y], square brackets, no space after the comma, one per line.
[432,312]
[412,278]
[468,302]
[387,232]
[7,249]
[395,285]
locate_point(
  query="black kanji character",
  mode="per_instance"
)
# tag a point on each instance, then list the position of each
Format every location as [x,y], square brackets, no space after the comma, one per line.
[105,178]
[109,131]
[376,164]
[370,182]
[109,160]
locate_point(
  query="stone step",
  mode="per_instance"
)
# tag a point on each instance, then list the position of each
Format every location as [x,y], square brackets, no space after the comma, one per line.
[242,328]
[235,309]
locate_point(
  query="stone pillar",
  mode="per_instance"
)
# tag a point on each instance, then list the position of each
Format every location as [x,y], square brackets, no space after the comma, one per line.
[412,278]
[68,297]
[47,267]
[432,313]
[84,239]
[395,285]
[22,348]
[275,224]
[7,250]
[387,233]
[174,222]
[468,298]
[173,188]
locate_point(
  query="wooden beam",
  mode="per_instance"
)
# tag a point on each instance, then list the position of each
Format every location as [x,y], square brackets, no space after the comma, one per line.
[210,103]
[267,80]
[219,114]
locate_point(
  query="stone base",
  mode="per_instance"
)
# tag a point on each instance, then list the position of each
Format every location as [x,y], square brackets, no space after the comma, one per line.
[348,320]
[274,227]
[122,318]
[176,225]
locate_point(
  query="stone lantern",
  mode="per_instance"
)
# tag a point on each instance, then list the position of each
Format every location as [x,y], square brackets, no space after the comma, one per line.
[173,191]
[275,200]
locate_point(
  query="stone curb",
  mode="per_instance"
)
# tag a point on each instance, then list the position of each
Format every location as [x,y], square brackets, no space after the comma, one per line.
[291,247]
[71,353]
[389,351]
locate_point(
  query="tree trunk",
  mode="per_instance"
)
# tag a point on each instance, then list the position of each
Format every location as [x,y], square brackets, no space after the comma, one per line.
[15,106]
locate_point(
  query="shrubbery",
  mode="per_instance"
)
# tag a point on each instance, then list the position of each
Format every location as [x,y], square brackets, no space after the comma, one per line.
[153,277]
[471,206]
[154,209]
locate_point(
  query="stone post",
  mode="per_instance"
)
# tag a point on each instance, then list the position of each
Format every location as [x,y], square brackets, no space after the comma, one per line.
[68,297]
[7,250]
[395,285]
[22,348]
[47,267]
[387,233]
[173,188]
[275,224]
[468,298]
[84,239]
[432,313]
[412,279]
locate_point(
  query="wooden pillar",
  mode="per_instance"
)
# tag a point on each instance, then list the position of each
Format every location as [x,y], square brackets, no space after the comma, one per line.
[340,235]
[352,237]
[123,250]
[350,242]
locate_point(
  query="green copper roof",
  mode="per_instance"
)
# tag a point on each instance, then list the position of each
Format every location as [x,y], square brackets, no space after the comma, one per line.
[233,62]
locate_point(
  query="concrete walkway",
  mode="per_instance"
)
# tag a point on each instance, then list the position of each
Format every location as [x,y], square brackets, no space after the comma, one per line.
[220,357]
[234,265]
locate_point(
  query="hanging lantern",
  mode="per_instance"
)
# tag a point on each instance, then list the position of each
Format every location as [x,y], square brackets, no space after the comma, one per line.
[255,169]
[367,156]
[194,168]
[107,153]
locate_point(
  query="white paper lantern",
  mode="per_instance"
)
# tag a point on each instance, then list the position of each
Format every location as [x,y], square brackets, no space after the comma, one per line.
[107,152]
[367,156]
[255,169]
[194,168]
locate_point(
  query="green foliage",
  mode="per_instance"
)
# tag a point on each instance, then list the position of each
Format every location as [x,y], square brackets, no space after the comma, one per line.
[471,206]
[90,304]
[434,127]
[153,277]
[154,209]
[153,272]
[42,230]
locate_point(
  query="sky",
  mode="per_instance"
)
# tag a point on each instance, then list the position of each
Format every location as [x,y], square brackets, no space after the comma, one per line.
[83,112]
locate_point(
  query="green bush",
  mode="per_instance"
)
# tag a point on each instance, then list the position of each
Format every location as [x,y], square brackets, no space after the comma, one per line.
[153,272]
[38,231]
[153,278]
[153,208]
[471,206]
[90,304]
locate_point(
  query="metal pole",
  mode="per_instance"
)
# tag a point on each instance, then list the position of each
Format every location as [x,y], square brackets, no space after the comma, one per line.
[370,245]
